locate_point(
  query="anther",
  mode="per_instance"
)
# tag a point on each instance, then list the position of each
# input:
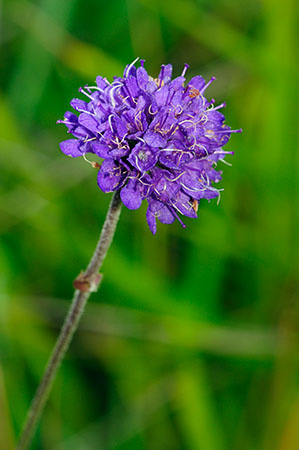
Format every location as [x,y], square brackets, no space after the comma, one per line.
[195,205]
[94,164]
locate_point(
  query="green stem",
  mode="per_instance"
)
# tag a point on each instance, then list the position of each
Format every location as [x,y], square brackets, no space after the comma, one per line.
[85,283]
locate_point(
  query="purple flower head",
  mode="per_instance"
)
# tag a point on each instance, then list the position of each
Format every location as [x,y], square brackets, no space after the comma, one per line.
[160,140]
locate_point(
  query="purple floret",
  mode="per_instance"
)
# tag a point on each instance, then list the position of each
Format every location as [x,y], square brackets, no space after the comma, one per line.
[160,140]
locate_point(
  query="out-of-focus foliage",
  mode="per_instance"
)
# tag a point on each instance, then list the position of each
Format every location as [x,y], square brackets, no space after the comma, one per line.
[192,341]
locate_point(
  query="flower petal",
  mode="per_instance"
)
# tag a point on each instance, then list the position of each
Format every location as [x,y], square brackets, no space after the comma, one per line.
[100,149]
[143,157]
[110,176]
[78,104]
[120,127]
[130,197]
[165,73]
[197,82]
[88,121]
[71,147]
[165,215]
[142,77]
[151,220]
[161,96]
[101,82]
[154,139]
[177,83]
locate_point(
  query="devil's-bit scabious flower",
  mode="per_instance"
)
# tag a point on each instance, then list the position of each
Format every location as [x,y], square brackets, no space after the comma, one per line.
[160,140]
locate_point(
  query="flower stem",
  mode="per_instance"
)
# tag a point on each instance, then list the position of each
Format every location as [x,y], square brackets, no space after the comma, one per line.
[85,283]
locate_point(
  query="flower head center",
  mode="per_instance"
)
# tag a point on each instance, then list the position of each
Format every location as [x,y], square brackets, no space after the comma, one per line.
[142,155]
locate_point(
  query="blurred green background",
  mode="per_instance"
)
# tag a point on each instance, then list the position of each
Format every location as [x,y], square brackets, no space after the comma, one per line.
[192,341]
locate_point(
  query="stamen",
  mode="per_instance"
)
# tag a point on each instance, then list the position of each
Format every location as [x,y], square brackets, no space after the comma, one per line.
[90,139]
[117,170]
[175,179]
[111,93]
[174,131]
[128,91]
[116,185]
[219,197]
[96,88]
[175,111]
[193,92]
[125,98]
[193,189]
[157,129]
[86,112]
[204,149]
[118,142]
[130,67]
[225,162]
[144,184]
[150,110]
[148,189]
[94,164]
[110,122]
[195,123]
[216,190]
[195,205]
[186,120]
[207,180]
[136,160]
[101,134]
[138,121]
[181,155]
[85,93]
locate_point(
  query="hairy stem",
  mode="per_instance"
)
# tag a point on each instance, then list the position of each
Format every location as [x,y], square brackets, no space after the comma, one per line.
[85,283]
